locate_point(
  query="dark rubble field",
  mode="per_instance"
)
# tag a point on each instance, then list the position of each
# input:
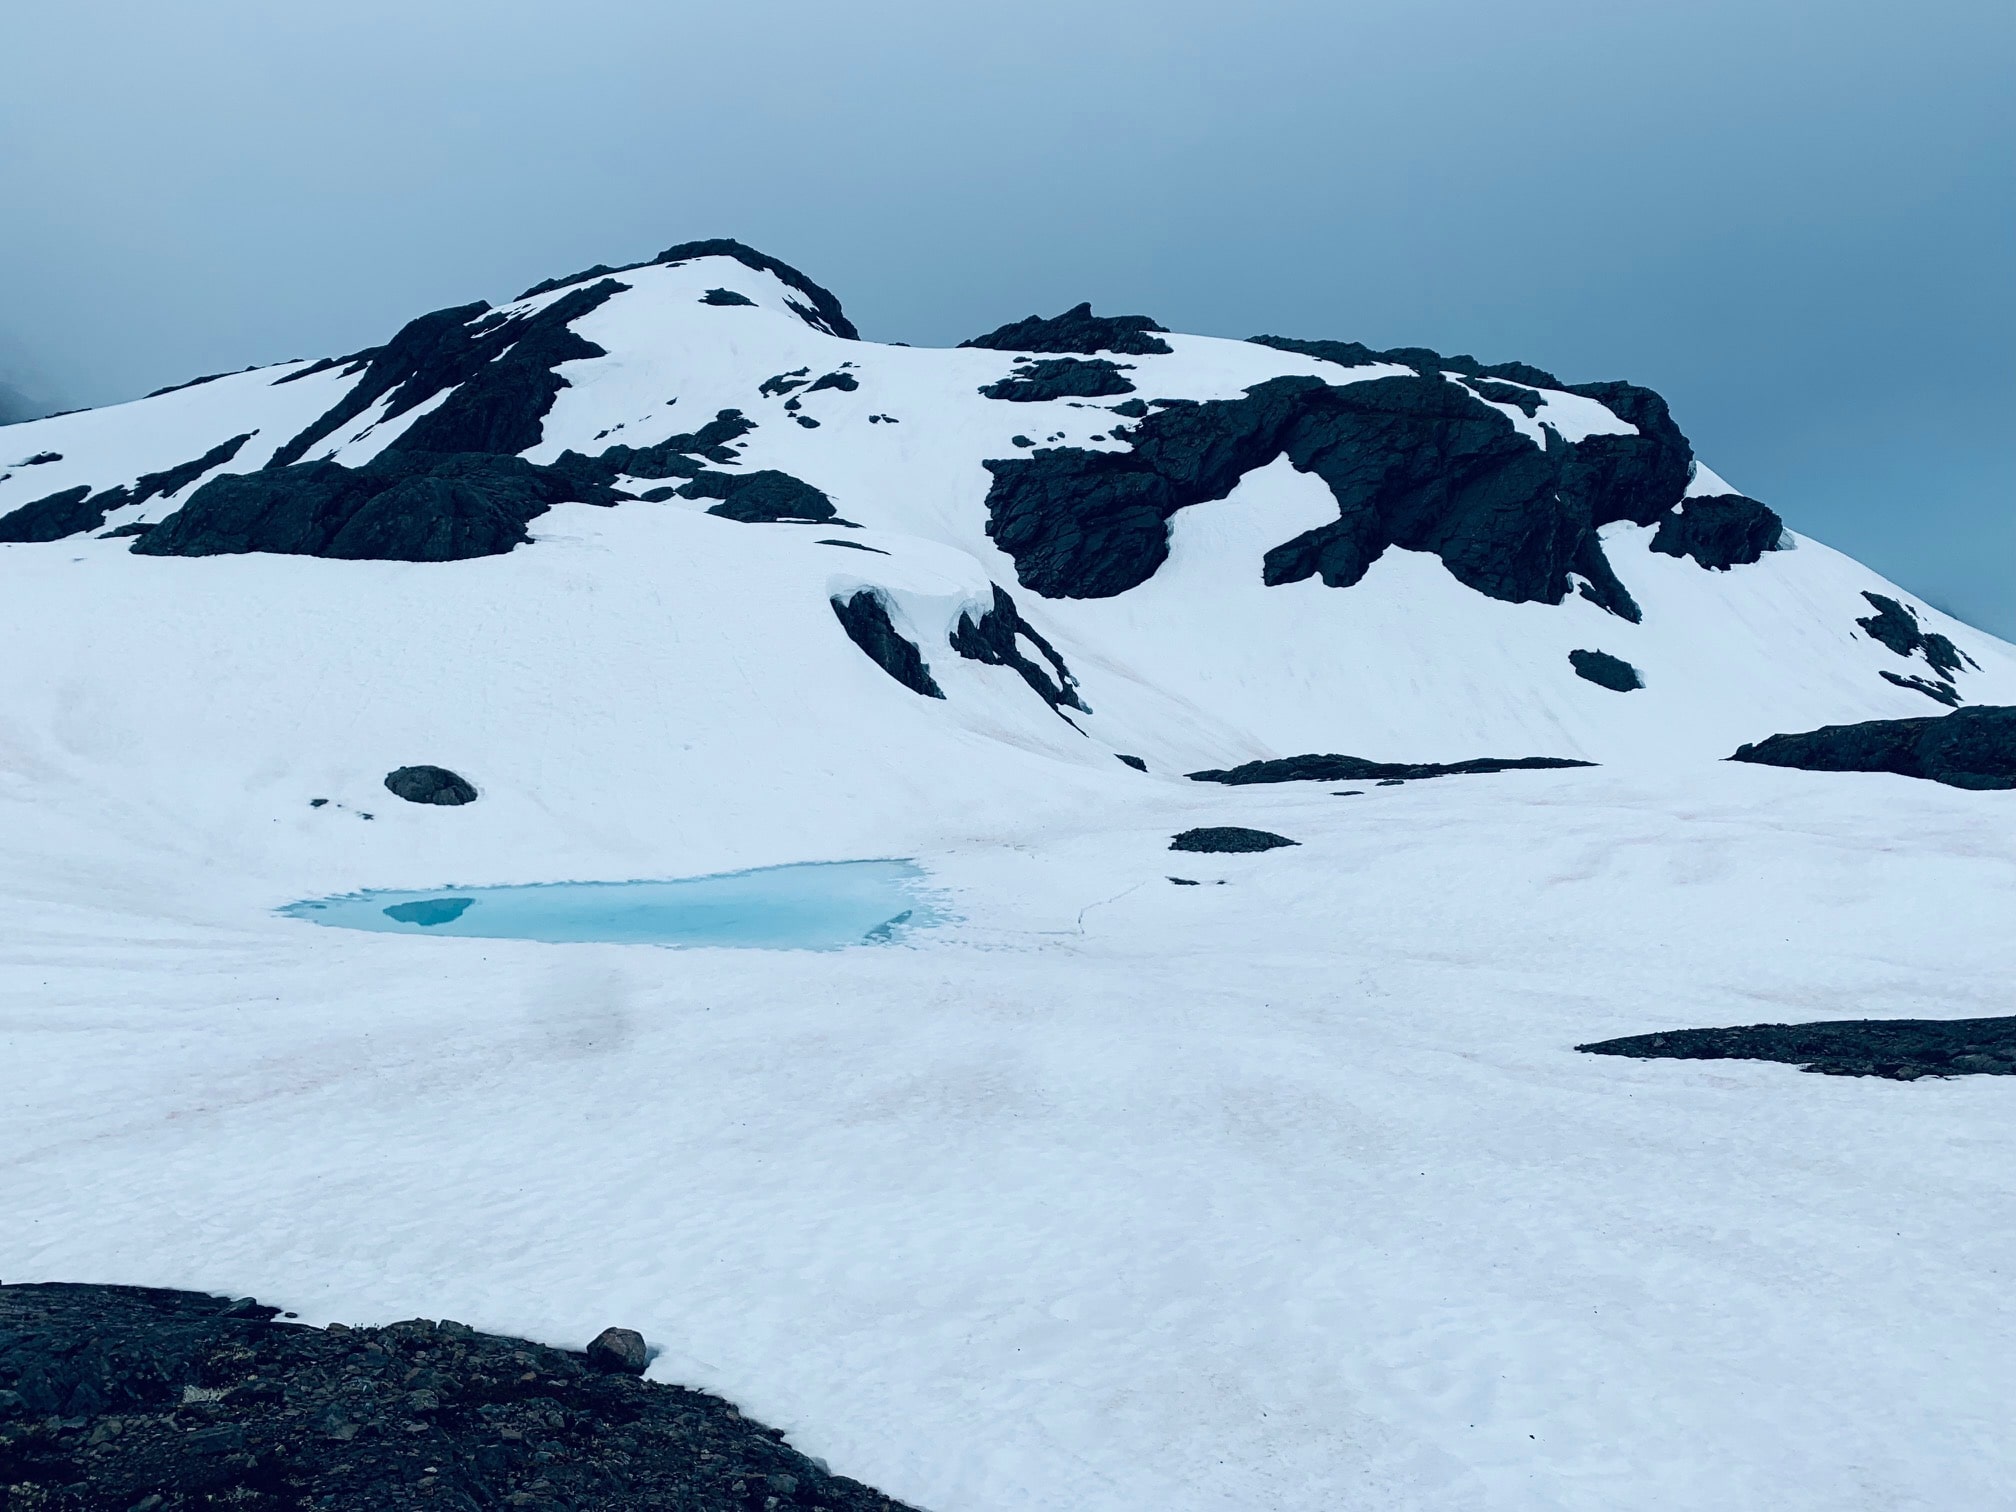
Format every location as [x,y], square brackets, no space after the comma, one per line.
[131,1399]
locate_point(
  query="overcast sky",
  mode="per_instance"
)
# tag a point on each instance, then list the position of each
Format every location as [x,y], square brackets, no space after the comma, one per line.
[1796,218]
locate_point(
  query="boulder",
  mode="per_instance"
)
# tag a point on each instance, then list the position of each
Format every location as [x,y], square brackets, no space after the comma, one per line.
[430,784]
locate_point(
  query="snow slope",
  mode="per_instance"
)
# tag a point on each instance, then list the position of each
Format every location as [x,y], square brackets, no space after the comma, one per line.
[1288,1192]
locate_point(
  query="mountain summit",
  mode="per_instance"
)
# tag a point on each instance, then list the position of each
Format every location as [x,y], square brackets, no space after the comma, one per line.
[1194,551]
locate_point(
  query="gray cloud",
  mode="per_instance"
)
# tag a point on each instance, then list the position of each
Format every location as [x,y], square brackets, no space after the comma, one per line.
[1793,217]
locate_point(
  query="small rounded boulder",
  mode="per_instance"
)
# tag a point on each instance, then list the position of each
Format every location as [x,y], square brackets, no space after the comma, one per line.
[430,784]
[618,1350]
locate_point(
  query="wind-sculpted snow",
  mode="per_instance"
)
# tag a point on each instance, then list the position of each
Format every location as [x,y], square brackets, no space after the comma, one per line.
[1969,748]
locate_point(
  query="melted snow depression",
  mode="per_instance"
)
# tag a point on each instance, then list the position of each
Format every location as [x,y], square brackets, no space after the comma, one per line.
[804,907]
[1262,1172]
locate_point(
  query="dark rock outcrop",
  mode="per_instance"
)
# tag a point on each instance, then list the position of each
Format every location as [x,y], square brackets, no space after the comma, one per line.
[122,1397]
[1901,1049]
[1969,748]
[501,368]
[172,480]
[1606,671]
[1078,330]
[1896,625]
[1421,359]
[865,618]
[1720,532]
[1414,462]
[762,497]
[65,513]
[818,308]
[674,457]
[430,784]
[993,639]
[725,297]
[1060,378]
[1939,692]
[620,1350]
[1229,839]
[1357,769]
[400,506]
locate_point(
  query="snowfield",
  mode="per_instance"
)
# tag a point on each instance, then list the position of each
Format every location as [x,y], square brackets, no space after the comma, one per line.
[1288,1193]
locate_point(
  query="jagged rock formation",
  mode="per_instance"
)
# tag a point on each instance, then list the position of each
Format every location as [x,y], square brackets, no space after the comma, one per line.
[1720,532]
[1060,378]
[130,1397]
[765,496]
[67,512]
[866,620]
[1414,462]
[1078,330]
[1901,1049]
[1969,748]
[497,367]
[173,480]
[993,639]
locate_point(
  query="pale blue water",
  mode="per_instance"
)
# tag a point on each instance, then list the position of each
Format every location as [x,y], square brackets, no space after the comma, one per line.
[809,906]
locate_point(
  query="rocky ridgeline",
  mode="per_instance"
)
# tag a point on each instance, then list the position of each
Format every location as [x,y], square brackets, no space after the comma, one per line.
[129,1398]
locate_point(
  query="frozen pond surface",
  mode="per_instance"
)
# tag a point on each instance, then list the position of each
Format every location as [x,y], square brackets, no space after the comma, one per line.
[808,906]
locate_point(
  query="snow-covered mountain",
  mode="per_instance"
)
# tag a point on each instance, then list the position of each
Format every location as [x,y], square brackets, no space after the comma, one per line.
[1197,551]
[1112,1193]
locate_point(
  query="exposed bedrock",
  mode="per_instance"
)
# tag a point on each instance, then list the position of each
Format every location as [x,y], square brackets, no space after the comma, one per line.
[1896,625]
[400,506]
[866,620]
[995,638]
[1969,748]
[1060,378]
[1720,532]
[1902,1049]
[430,784]
[1606,671]
[1318,768]
[500,366]
[1078,330]
[1229,839]
[66,513]
[676,456]
[172,480]
[1413,462]
[762,497]
[125,1397]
